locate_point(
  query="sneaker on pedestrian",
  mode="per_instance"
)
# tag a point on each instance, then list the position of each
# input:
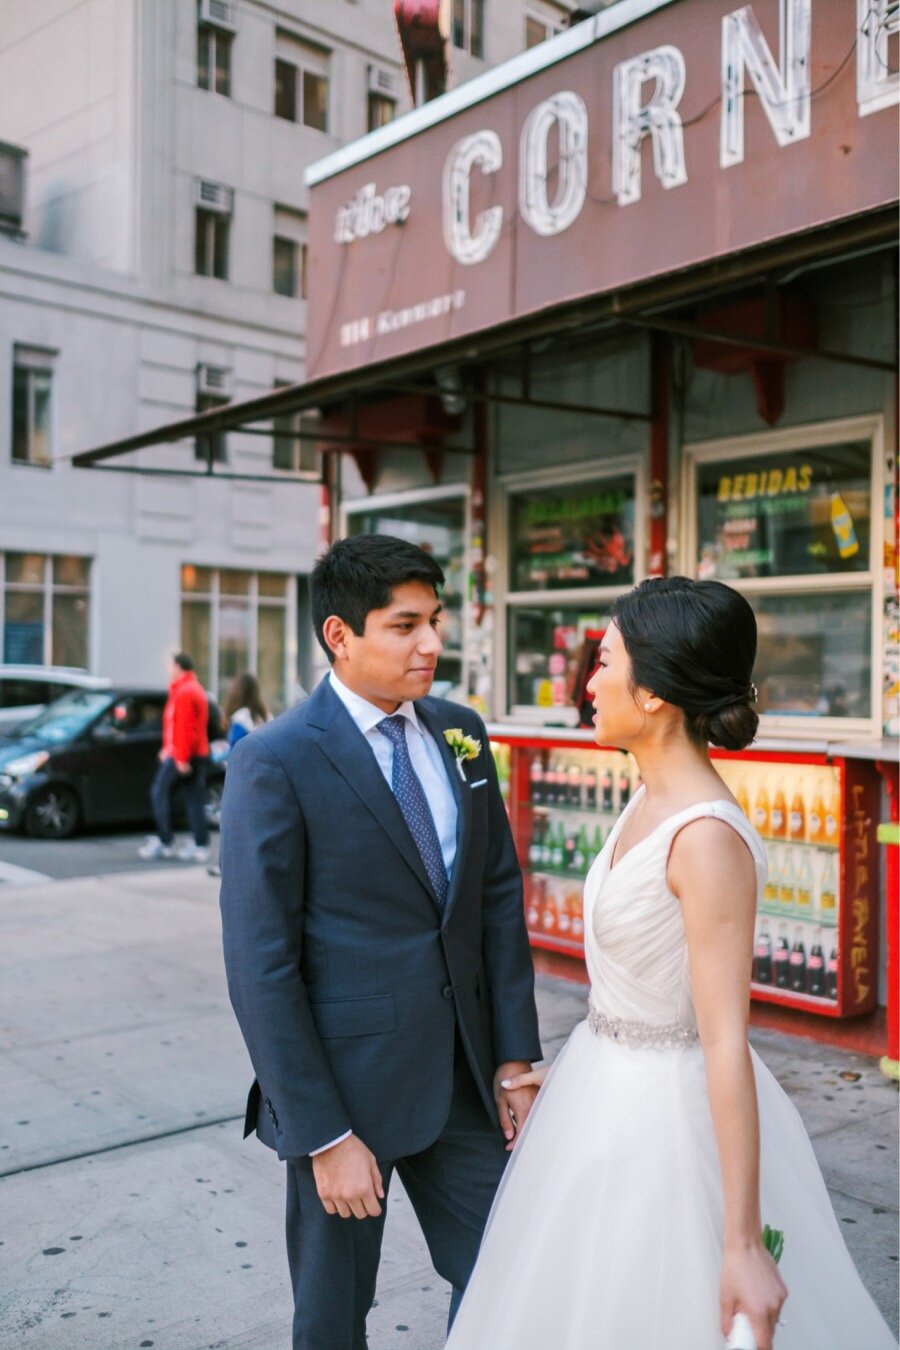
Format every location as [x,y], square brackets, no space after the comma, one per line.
[195,853]
[154,848]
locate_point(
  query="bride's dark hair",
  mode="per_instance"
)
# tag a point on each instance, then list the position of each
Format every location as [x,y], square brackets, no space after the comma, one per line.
[693,643]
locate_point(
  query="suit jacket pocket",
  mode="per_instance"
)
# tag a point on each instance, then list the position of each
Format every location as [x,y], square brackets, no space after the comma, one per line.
[355,1016]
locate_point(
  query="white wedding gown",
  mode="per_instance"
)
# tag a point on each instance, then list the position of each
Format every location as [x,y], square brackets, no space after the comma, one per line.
[606,1233]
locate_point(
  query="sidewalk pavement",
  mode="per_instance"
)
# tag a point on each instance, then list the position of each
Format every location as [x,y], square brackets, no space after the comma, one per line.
[133,1215]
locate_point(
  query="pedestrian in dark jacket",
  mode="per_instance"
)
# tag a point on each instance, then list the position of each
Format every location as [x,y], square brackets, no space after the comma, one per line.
[182,766]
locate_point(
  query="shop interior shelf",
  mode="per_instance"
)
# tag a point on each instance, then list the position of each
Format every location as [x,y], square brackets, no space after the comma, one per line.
[823,920]
[610,812]
[571,946]
[566,873]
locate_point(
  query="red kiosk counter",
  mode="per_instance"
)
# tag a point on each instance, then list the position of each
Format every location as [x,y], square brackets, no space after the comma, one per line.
[816,947]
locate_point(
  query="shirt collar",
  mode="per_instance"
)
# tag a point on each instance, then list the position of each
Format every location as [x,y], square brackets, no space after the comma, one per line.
[365,714]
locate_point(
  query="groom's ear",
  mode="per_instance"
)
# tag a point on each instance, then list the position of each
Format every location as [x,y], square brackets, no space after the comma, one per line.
[335,631]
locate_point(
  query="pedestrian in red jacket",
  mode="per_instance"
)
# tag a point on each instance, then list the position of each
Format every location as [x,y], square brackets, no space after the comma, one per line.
[182,766]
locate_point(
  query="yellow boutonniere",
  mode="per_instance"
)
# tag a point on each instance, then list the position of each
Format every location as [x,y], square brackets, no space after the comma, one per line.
[463,747]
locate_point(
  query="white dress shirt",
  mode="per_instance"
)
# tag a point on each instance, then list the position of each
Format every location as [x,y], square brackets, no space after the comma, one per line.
[429,767]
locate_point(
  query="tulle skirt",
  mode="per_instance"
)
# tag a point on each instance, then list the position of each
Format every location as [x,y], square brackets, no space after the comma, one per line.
[606,1233]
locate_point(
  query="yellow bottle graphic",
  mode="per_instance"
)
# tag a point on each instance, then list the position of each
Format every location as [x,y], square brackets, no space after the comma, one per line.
[787,890]
[761,812]
[797,819]
[832,819]
[804,901]
[817,816]
[743,798]
[828,892]
[779,817]
[842,524]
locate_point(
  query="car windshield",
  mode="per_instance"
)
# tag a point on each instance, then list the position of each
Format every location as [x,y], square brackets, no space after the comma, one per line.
[66,717]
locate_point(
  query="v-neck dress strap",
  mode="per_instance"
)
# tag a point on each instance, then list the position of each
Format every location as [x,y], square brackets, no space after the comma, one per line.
[635,944]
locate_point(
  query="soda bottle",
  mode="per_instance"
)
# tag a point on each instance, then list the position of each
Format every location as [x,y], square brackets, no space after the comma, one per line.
[580,857]
[778,822]
[590,789]
[787,890]
[575,785]
[805,887]
[535,849]
[536,898]
[569,849]
[577,910]
[762,955]
[596,844]
[761,812]
[536,781]
[781,959]
[606,789]
[558,848]
[798,963]
[832,819]
[773,880]
[815,967]
[562,788]
[546,841]
[564,918]
[831,976]
[549,913]
[743,797]
[828,892]
[797,818]
[817,816]
[623,784]
[550,784]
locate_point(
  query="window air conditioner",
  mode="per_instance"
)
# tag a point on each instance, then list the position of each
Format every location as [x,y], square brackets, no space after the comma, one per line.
[214,197]
[219,14]
[214,380]
[12,188]
[383,82]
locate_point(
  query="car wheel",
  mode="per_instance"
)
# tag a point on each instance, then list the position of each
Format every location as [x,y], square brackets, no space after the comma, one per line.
[53,813]
[213,804]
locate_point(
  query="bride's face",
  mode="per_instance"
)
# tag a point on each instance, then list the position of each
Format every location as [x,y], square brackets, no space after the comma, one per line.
[619,716]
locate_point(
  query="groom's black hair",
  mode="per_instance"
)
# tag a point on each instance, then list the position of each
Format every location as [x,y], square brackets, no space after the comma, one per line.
[358,575]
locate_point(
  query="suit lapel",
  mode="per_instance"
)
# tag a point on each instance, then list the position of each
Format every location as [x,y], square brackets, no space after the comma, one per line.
[436,724]
[352,756]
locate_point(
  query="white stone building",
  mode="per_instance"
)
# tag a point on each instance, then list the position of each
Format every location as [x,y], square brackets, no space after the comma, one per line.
[152,264]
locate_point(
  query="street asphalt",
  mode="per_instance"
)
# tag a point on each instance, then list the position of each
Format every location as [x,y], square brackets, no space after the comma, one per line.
[132,1214]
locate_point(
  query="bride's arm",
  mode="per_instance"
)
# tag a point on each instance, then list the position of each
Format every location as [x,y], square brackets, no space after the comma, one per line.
[713,874]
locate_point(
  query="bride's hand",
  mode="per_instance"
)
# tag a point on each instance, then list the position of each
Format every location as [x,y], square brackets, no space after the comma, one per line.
[752,1285]
[533,1078]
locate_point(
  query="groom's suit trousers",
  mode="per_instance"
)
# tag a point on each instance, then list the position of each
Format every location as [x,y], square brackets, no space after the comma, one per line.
[451,1186]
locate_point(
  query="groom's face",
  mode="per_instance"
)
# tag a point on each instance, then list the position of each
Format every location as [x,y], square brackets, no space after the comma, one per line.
[396,656]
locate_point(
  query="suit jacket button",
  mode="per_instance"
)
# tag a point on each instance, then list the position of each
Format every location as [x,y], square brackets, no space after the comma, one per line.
[447,991]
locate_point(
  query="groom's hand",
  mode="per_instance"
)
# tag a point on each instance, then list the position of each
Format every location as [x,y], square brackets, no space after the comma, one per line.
[513,1104]
[348,1180]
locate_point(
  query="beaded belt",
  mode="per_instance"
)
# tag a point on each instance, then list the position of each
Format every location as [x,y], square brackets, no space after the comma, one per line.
[641,1035]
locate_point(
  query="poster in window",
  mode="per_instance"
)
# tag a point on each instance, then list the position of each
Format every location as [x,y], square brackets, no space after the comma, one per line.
[578,536]
[796,513]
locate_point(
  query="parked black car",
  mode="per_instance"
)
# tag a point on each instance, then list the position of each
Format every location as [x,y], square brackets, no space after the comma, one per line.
[87,759]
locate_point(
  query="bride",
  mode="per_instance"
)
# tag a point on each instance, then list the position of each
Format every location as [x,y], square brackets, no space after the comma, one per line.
[630,1215]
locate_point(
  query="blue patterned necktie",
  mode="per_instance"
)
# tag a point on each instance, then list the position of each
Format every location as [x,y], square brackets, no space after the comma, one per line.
[411,799]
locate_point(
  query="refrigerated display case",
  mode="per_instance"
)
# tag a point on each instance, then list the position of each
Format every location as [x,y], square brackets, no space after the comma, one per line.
[817,923]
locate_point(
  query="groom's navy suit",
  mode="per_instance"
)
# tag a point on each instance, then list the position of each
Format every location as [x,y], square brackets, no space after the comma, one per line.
[363,1004]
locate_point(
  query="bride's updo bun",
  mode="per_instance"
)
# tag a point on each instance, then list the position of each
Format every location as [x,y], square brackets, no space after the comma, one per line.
[693,644]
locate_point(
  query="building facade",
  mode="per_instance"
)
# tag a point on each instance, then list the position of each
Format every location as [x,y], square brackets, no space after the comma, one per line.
[153,264]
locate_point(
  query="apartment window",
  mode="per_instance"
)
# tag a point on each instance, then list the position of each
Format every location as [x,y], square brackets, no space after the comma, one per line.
[45,600]
[294,447]
[289,253]
[468,26]
[301,83]
[32,406]
[211,244]
[381,111]
[214,59]
[538,28]
[232,621]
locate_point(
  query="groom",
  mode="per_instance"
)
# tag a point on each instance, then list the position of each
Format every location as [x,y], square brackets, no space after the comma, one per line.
[375,945]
